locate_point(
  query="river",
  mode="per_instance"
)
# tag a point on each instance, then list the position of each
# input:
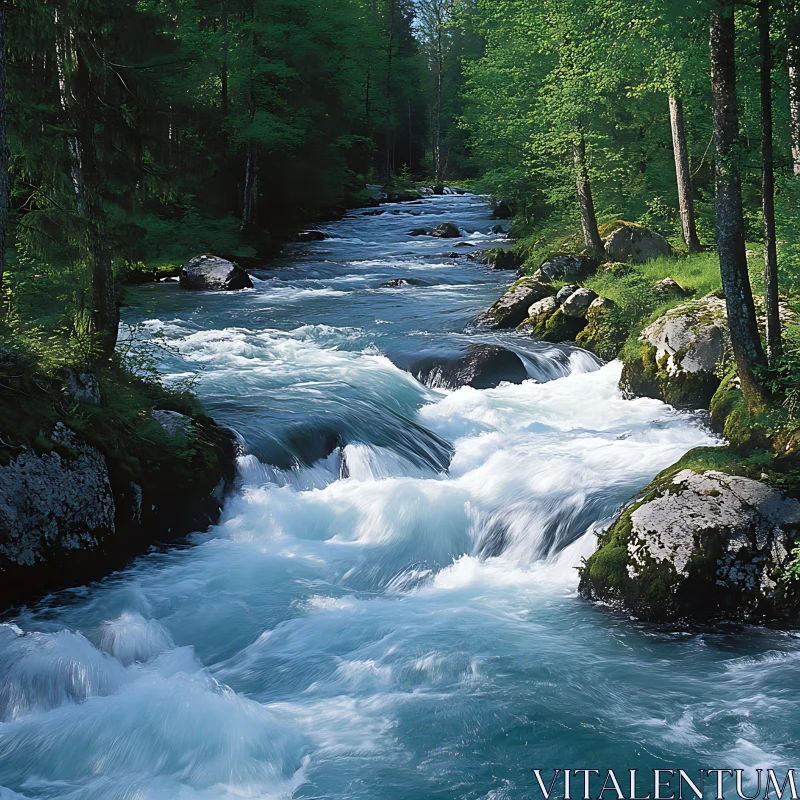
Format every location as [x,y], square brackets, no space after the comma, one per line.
[406,625]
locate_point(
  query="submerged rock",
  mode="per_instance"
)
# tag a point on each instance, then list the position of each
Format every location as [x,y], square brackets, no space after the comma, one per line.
[633,243]
[700,544]
[419,232]
[214,273]
[497,258]
[511,309]
[483,366]
[682,355]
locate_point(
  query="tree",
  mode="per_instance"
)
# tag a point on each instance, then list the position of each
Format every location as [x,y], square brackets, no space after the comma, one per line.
[768,187]
[682,173]
[745,340]
[794,86]
[3,146]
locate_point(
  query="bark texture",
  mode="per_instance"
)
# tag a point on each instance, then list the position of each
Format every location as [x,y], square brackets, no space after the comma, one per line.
[745,340]
[3,148]
[768,187]
[794,99]
[685,199]
[591,235]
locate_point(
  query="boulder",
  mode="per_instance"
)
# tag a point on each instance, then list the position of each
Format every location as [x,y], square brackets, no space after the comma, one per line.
[541,310]
[214,273]
[498,229]
[402,196]
[451,254]
[682,355]
[669,286]
[438,189]
[175,425]
[419,232]
[497,258]
[511,309]
[397,282]
[577,304]
[567,268]
[501,210]
[483,366]
[54,503]
[447,230]
[603,335]
[701,544]
[83,387]
[566,291]
[633,243]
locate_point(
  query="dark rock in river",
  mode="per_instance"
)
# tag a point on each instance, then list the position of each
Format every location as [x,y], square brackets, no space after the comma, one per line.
[447,230]
[310,236]
[419,232]
[483,366]
[402,282]
[214,273]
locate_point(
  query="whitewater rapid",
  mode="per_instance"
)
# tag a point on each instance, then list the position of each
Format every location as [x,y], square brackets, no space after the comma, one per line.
[388,606]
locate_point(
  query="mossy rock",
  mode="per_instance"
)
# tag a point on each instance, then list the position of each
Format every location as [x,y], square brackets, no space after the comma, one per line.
[702,541]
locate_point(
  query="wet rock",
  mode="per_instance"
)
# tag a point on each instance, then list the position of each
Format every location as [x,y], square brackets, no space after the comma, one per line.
[497,258]
[310,236]
[419,232]
[438,189]
[512,308]
[567,268]
[403,196]
[497,229]
[700,544]
[484,366]
[214,273]
[634,243]
[682,355]
[451,254]
[447,230]
[577,304]
[398,282]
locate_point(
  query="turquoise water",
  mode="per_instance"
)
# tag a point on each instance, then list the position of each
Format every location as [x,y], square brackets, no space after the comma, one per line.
[409,631]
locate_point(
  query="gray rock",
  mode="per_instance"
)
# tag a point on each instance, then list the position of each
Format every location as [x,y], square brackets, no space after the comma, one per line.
[512,307]
[567,268]
[702,544]
[635,244]
[83,387]
[600,304]
[542,309]
[175,425]
[691,338]
[447,230]
[55,502]
[419,232]
[577,304]
[670,286]
[566,291]
[215,273]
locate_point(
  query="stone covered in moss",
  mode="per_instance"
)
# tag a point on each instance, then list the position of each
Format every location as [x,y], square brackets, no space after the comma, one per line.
[681,356]
[699,543]
[605,333]
[629,242]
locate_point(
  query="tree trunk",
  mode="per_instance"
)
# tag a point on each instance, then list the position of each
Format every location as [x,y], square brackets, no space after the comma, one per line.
[387,160]
[3,150]
[105,312]
[745,340]
[250,198]
[591,235]
[438,168]
[685,199]
[768,187]
[794,100]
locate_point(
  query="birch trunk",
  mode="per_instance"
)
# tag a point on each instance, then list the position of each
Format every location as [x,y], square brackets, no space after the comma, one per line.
[685,199]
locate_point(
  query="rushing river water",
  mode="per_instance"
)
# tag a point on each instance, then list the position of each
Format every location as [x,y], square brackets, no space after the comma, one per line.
[405,628]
